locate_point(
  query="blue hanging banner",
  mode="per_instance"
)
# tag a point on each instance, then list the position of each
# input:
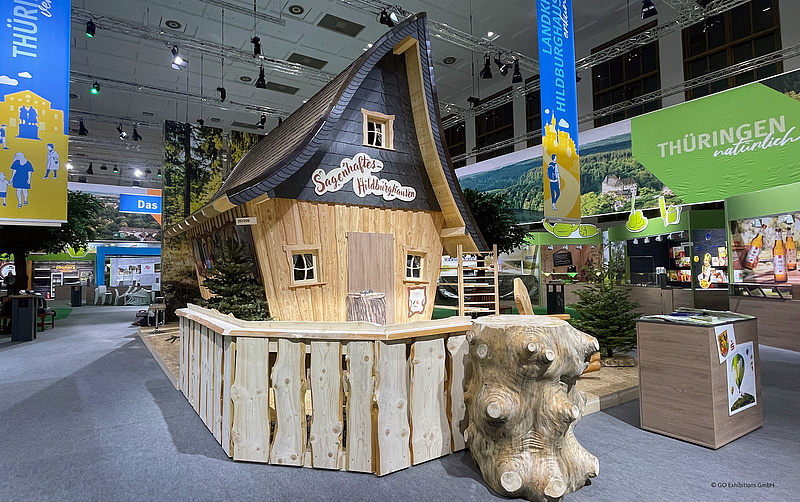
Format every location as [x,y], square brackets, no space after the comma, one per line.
[34,107]
[145,204]
[562,171]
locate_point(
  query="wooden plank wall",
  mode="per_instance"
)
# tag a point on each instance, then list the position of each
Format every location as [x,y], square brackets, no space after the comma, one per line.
[360,387]
[208,227]
[206,371]
[430,430]
[400,410]
[292,222]
[391,416]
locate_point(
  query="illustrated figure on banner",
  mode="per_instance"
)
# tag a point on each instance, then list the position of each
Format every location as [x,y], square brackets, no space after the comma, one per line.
[3,137]
[555,180]
[52,161]
[21,172]
[3,187]
[28,123]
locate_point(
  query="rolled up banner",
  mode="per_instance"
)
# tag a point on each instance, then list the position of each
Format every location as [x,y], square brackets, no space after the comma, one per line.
[560,154]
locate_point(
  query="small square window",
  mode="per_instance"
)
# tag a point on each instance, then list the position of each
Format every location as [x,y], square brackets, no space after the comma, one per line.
[415,265]
[304,265]
[378,129]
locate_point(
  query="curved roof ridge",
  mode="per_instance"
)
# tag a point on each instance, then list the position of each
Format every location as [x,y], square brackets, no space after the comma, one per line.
[287,147]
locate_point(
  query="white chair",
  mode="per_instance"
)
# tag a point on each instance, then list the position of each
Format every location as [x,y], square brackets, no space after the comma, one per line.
[100,292]
[138,297]
[121,296]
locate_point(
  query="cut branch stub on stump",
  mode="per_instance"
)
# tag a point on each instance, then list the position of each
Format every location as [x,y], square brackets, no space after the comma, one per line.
[522,405]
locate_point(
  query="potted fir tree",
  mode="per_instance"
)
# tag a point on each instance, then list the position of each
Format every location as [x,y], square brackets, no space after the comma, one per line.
[607,314]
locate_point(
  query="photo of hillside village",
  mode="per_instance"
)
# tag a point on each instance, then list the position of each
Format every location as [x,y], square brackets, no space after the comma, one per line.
[609,177]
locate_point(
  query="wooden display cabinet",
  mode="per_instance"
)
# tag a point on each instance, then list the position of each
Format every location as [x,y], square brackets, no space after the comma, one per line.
[683,387]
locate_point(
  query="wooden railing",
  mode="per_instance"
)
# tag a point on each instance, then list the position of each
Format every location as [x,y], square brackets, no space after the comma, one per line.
[347,395]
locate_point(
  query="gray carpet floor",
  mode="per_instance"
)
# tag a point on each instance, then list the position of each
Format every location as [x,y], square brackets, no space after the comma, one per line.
[87,414]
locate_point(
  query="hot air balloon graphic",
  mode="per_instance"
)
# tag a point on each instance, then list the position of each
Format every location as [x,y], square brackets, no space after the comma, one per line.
[738,370]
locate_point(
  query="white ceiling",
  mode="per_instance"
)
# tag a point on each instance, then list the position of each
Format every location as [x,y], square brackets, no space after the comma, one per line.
[128,58]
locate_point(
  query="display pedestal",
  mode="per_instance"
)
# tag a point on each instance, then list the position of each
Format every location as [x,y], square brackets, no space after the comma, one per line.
[683,387]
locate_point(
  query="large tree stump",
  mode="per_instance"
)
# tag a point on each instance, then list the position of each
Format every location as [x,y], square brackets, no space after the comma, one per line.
[522,405]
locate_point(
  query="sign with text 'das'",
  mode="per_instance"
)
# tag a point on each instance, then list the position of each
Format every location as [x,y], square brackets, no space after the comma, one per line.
[145,204]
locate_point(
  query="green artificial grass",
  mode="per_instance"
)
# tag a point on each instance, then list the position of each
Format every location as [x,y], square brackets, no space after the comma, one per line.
[62,313]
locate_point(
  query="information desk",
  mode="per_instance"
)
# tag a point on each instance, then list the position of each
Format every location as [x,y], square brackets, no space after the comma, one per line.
[684,388]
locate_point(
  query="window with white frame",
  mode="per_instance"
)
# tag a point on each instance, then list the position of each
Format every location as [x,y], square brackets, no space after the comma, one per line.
[304,267]
[378,129]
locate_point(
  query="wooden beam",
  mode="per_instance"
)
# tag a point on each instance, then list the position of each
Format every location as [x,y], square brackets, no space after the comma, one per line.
[405,44]
[427,143]
[453,232]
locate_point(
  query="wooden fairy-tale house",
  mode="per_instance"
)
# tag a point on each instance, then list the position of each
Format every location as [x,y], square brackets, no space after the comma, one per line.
[353,192]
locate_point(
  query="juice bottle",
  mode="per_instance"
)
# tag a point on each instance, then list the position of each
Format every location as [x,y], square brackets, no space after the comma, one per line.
[779,258]
[791,251]
[751,259]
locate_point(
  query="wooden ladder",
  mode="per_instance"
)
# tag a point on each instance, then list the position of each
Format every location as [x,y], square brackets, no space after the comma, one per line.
[478,284]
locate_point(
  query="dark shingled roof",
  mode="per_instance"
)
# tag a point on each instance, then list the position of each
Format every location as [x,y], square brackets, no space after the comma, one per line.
[290,145]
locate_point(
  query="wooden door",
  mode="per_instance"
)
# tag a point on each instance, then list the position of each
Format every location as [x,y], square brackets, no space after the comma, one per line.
[370,265]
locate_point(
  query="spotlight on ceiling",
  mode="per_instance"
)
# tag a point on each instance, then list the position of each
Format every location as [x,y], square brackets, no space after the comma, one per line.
[648,9]
[90,170]
[95,88]
[82,131]
[486,72]
[103,167]
[136,136]
[70,167]
[503,67]
[636,241]
[90,28]
[647,240]
[262,121]
[223,93]
[261,82]
[116,171]
[659,238]
[256,41]
[390,19]
[178,63]
[148,171]
[122,134]
[516,78]
[473,102]
[138,173]
[159,173]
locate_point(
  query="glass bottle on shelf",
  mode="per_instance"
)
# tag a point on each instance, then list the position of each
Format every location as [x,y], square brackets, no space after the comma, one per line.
[751,259]
[779,258]
[791,251]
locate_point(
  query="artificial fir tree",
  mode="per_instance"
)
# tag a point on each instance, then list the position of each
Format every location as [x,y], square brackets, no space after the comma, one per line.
[234,289]
[606,312]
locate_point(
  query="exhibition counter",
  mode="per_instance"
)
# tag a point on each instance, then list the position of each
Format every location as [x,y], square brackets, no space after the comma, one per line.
[776,319]
[654,300]
[699,376]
